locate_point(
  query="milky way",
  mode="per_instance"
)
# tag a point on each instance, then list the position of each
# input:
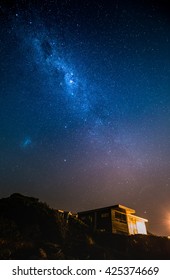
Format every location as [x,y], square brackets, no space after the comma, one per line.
[85,105]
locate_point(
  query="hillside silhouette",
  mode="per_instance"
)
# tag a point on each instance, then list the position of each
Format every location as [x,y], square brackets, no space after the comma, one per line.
[30,229]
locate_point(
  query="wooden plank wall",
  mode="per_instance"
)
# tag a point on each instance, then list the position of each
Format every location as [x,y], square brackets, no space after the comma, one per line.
[117,226]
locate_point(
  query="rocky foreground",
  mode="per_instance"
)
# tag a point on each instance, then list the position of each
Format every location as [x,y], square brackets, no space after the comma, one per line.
[29,229]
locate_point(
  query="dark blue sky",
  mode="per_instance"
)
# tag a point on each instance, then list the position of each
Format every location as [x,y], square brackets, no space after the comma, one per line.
[85,104]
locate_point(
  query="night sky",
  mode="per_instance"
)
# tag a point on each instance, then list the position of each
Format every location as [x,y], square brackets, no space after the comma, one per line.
[85,104]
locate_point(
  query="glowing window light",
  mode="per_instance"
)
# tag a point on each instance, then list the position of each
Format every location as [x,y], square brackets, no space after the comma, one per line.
[141,228]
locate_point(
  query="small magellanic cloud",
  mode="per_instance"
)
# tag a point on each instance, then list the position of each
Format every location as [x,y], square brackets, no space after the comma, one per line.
[26,143]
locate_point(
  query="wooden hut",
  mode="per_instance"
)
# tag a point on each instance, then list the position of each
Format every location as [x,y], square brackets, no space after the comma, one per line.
[115,219]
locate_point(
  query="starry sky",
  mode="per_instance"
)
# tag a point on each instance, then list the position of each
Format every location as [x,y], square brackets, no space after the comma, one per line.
[85,104]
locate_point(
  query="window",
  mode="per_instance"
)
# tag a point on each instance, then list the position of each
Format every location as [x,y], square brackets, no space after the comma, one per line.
[141,227]
[120,217]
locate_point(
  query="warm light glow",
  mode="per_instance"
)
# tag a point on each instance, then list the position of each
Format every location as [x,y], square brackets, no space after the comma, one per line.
[167,220]
[141,228]
[136,226]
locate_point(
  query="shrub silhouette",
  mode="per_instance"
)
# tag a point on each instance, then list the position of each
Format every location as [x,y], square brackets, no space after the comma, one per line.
[30,219]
